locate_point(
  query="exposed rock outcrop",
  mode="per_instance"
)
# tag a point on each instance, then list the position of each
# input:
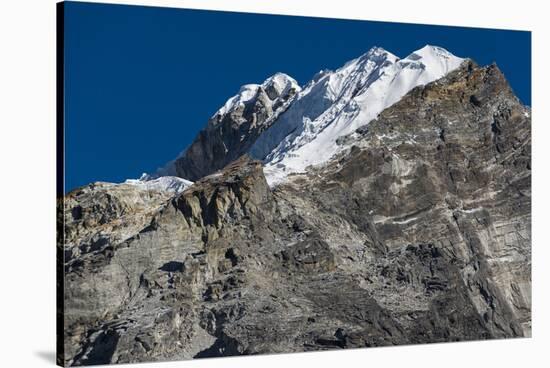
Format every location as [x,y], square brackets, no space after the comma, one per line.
[234,128]
[419,232]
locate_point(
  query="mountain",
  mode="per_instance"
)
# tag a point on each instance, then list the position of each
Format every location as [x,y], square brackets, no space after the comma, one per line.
[290,128]
[231,131]
[351,97]
[413,227]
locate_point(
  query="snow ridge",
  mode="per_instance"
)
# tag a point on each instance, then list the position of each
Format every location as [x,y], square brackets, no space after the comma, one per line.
[336,103]
[304,131]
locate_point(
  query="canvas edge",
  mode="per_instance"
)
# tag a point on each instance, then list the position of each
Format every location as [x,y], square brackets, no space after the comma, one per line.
[60,183]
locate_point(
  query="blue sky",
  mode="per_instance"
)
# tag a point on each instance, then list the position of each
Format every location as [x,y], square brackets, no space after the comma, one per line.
[140,82]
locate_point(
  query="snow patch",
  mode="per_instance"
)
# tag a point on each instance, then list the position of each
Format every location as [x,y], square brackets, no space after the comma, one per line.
[403,222]
[171,184]
[472,210]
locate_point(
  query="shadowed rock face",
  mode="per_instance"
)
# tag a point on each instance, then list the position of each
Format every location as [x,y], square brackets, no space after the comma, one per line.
[230,135]
[419,232]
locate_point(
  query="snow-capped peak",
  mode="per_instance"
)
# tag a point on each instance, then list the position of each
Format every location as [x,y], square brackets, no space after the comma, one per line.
[378,54]
[430,52]
[282,83]
[336,103]
[303,125]
[439,60]
[279,83]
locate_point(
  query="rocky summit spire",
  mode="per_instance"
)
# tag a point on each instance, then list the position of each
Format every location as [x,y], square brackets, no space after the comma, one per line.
[234,127]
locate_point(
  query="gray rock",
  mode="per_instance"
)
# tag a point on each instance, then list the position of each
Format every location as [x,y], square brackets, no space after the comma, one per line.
[418,233]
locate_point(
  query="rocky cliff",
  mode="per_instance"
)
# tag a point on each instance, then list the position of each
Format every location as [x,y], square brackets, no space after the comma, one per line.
[418,231]
[234,128]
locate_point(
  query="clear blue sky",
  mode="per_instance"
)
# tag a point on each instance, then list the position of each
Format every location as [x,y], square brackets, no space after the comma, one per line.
[142,81]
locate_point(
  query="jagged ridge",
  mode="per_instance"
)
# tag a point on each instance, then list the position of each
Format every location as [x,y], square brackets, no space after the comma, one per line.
[290,128]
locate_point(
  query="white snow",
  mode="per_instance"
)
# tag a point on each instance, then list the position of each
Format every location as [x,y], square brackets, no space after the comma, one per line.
[280,81]
[171,184]
[472,210]
[246,93]
[403,222]
[335,104]
[383,219]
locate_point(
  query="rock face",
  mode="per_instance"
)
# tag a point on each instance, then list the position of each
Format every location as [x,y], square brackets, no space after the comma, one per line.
[417,232]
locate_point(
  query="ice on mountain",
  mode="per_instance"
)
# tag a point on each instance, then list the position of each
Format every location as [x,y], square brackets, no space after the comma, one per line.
[336,103]
[281,82]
